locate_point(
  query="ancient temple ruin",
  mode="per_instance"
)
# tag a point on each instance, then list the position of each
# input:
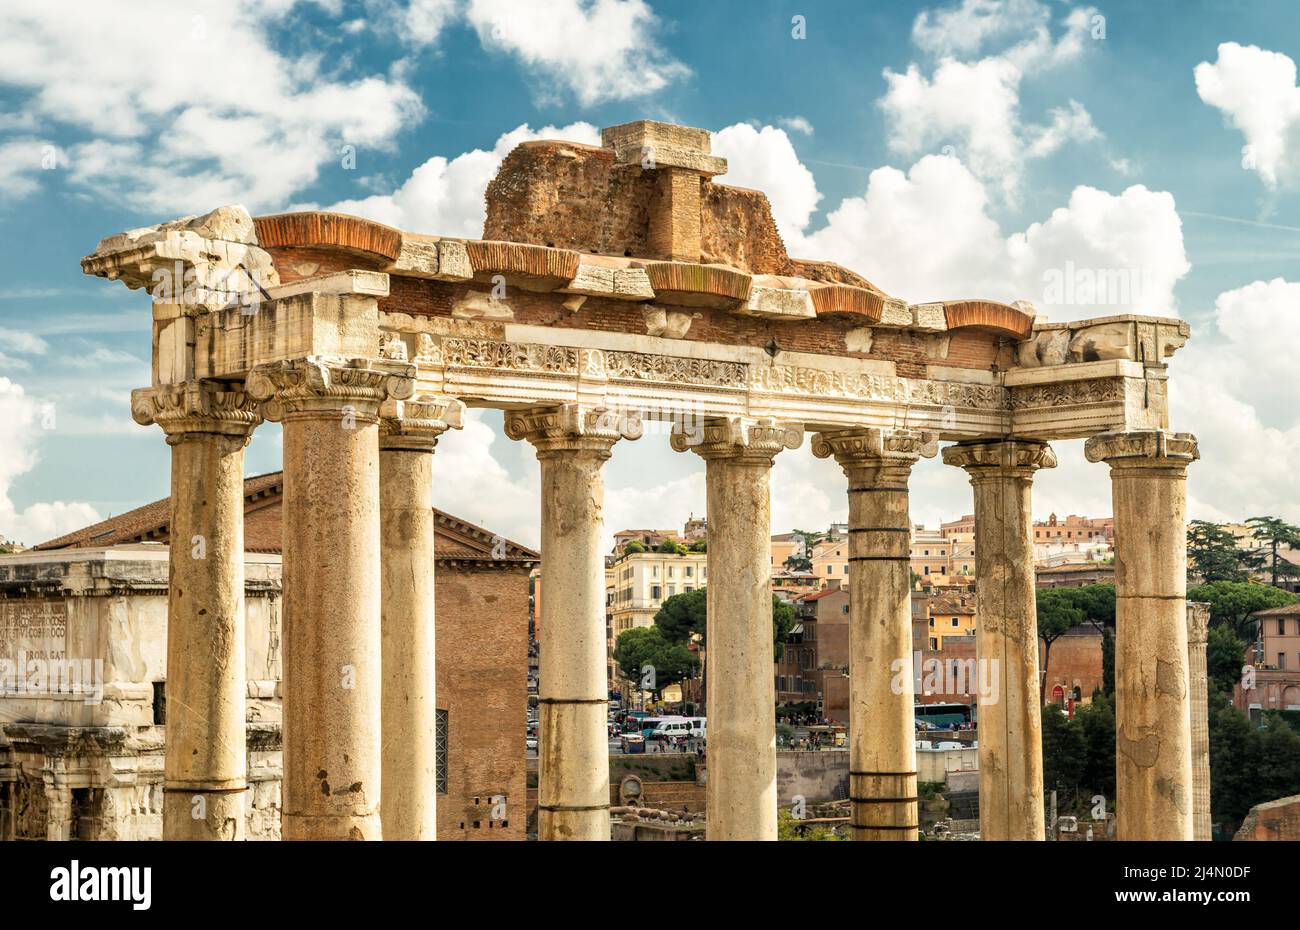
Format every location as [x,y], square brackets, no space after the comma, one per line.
[620,293]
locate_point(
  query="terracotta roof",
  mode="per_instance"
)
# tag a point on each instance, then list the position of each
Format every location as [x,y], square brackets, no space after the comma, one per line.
[454,538]
[822,593]
[1286,610]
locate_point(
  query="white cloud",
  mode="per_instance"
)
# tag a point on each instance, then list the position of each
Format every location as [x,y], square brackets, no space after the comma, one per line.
[1236,391]
[445,196]
[22,423]
[928,235]
[471,482]
[1257,93]
[973,107]
[596,49]
[764,159]
[797,124]
[213,114]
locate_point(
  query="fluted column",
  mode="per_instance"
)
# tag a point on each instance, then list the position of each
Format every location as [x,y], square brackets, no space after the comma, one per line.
[332,642]
[738,453]
[1198,629]
[1006,637]
[206,765]
[1153,737]
[573,443]
[882,732]
[408,434]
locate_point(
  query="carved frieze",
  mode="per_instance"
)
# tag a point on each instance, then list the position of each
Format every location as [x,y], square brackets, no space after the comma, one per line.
[818,382]
[1068,393]
[642,366]
[487,353]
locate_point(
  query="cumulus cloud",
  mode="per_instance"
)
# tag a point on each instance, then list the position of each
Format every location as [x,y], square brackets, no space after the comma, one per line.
[23,421]
[1256,91]
[234,119]
[972,105]
[445,196]
[597,50]
[1232,387]
[764,159]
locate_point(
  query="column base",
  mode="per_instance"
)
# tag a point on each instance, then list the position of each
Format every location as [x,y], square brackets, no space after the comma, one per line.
[203,813]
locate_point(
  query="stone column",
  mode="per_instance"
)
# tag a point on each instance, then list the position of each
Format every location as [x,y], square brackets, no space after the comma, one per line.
[1153,729]
[573,443]
[1006,638]
[1198,629]
[332,642]
[882,731]
[741,792]
[206,765]
[408,434]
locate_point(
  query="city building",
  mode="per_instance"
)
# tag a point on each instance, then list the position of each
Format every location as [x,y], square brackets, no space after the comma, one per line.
[75,765]
[1275,656]
[1074,574]
[951,614]
[1074,529]
[644,580]
[827,613]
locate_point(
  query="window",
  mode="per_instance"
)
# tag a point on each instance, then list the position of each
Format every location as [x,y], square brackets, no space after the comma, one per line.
[690,571]
[672,589]
[1281,660]
[954,621]
[846,569]
[670,571]
[1281,628]
[927,569]
[656,592]
[440,750]
[159,703]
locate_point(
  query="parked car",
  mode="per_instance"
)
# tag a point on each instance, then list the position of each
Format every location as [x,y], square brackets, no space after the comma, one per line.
[633,742]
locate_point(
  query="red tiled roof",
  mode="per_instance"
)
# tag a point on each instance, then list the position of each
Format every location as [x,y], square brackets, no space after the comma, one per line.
[263,528]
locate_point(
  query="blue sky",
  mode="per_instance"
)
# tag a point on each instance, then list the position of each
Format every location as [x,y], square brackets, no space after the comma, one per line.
[945,149]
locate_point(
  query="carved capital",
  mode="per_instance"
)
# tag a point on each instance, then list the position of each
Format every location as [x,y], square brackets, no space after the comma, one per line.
[741,438]
[572,428]
[1155,448]
[320,387]
[872,445]
[1198,623]
[1000,458]
[195,409]
[414,425]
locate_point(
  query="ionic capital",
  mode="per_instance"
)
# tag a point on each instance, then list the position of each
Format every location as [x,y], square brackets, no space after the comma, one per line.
[1018,458]
[874,446]
[415,425]
[572,428]
[744,439]
[326,387]
[195,409]
[1155,448]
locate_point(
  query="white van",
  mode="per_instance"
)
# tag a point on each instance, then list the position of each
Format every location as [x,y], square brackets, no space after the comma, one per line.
[690,727]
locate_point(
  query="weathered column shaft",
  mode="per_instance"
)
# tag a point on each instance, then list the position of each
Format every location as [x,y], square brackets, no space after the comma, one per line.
[1198,628]
[573,445]
[741,792]
[206,765]
[332,642]
[409,433]
[882,731]
[1153,739]
[1006,639]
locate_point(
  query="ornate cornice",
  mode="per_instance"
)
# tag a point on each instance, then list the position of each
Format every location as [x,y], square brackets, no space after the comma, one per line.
[741,438]
[327,387]
[1143,448]
[415,425]
[572,427]
[196,408]
[1000,457]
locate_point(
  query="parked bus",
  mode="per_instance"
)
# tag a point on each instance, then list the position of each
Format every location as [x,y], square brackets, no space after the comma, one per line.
[942,716]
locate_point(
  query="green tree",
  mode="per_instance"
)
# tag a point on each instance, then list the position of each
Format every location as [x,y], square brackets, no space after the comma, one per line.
[1274,534]
[1096,722]
[633,547]
[1065,752]
[1232,602]
[700,545]
[670,547]
[1225,655]
[801,559]
[641,647]
[1108,661]
[684,615]
[1057,615]
[1213,553]
[787,828]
